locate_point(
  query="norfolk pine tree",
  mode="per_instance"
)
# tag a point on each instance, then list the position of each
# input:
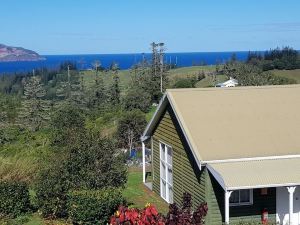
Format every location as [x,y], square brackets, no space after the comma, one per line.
[35,110]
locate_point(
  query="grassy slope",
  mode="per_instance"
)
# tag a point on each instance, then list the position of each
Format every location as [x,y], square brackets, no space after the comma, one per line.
[184,72]
[293,74]
[89,78]
[138,195]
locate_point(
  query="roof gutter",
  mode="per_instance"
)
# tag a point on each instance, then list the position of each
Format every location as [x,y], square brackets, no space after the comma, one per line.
[251,159]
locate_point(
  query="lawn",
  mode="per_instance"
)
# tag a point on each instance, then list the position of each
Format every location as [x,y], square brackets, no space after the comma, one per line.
[138,195]
[183,72]
[150,114]
[208,81]
[292,74]
[125,75]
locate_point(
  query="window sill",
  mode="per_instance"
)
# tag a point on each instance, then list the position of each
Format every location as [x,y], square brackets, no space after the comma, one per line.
[240,204]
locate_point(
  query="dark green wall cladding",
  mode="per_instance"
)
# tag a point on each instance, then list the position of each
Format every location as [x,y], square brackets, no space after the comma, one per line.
[186,175]
[201,184]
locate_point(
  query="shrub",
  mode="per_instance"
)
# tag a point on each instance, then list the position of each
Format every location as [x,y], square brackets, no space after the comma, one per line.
[91,164]
[93,207]
[14,198]
[51,190]
[185,83]
[185,215]
[67,126]
[147,216]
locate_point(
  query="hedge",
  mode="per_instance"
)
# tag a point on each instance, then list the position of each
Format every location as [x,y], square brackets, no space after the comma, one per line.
[93,207]
[14,198]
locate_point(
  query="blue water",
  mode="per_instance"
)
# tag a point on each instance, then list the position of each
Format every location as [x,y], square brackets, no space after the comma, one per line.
[125,61]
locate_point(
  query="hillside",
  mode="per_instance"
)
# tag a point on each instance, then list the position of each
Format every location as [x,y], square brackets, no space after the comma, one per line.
[185,72]
[14,54]
[292,74]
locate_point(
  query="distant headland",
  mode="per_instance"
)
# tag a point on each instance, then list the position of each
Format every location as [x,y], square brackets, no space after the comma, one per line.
[16,54]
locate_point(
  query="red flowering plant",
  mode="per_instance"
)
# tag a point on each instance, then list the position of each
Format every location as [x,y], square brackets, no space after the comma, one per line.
[177,215]
[133,216]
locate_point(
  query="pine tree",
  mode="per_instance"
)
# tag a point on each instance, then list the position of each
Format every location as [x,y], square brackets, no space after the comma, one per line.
[72,91]
[35,110]
[99,94]
[115,87]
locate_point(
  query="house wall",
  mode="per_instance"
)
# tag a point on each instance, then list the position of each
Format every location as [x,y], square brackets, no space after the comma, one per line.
[186,175]
[200,184]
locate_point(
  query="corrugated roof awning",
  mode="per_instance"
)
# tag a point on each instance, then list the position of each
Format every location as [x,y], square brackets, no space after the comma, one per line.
[256,173]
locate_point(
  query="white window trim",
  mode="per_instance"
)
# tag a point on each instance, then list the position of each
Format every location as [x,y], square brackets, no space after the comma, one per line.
[167,199]
[243,203]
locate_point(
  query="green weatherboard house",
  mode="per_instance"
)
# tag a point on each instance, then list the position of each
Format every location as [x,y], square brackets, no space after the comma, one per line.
[238,149]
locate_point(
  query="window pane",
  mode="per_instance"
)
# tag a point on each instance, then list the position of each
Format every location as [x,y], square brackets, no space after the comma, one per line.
[163,170]
[163,152]
[244,196]
[170,194]
[170,176]
[234,197]
[163,189]
[169,159]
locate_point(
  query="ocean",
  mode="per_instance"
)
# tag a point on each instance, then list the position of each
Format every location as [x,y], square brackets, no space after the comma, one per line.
[125,61]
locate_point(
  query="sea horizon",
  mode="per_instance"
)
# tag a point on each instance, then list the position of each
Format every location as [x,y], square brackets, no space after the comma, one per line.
[124,60]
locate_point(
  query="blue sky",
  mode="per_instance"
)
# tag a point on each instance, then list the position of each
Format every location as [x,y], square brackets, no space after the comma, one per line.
[126,26]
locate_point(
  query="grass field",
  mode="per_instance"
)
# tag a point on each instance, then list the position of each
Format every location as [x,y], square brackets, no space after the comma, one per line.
[125,76]
[292,74]
[138,195]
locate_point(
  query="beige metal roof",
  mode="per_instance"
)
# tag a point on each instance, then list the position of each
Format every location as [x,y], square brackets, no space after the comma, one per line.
[240,122]
[257,174]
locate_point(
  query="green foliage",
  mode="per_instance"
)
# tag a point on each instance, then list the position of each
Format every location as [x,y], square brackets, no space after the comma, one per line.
[94,164]
[8,109]
[185,83]
[14,198]
[11,84]
[24,219]
[114,94]
[137,98]
[51,190]
[71,90]
[8,134]
[67,126]
[89,163]
[93,207]
[284,58]
[130,128]
[99,96]
[251,75]
[35,110]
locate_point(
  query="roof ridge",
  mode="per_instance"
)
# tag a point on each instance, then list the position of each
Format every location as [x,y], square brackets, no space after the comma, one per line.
[234,88]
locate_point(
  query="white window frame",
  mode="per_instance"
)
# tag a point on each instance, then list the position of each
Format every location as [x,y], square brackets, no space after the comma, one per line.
[167,166]
[243,203]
